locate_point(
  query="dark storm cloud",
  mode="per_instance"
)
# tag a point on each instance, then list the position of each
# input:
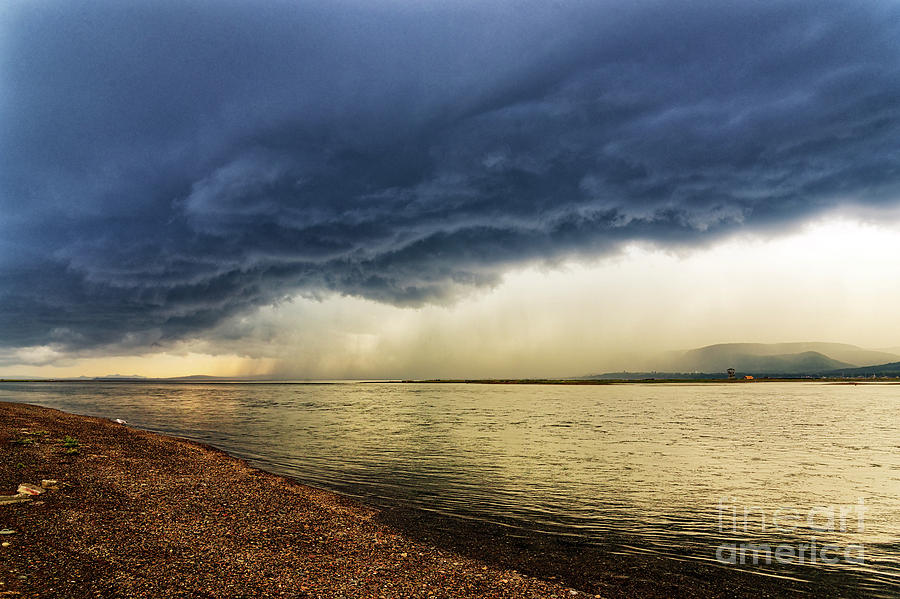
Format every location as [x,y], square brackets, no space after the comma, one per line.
[166,164]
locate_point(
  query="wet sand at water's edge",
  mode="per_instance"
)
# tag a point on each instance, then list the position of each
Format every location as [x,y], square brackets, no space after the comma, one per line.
[137,514]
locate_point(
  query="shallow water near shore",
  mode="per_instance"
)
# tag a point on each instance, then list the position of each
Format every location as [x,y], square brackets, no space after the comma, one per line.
[680,471]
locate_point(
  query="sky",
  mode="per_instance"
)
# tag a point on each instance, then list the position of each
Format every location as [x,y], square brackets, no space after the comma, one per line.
[313,189]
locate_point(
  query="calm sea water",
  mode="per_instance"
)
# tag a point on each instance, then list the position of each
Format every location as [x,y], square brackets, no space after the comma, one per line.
[681,470]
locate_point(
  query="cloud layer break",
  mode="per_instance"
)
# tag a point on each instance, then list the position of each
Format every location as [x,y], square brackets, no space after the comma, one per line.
[164,165]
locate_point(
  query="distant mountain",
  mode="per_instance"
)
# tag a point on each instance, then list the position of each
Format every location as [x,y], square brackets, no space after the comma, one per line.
[719,359]
[808,362]
[802,358]
[766,356]
[211,378]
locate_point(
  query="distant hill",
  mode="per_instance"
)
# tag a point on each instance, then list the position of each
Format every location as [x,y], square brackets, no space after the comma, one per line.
[783,357]
[801,358]
[720,359]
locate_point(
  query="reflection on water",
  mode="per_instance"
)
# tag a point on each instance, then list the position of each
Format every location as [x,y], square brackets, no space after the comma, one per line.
[663,468]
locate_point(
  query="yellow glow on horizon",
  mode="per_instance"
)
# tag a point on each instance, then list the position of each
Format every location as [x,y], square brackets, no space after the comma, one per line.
[157,365]
[835,280]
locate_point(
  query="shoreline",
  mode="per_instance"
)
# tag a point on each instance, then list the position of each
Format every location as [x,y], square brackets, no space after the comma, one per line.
[140,514]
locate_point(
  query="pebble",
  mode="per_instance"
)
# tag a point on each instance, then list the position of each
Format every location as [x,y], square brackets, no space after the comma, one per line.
[4,544]
[266,514]
[30,489]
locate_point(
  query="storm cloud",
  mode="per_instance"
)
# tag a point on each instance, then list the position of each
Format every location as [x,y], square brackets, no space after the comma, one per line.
[165,165]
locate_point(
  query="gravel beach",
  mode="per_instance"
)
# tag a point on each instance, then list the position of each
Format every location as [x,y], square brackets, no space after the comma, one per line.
[137,514]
